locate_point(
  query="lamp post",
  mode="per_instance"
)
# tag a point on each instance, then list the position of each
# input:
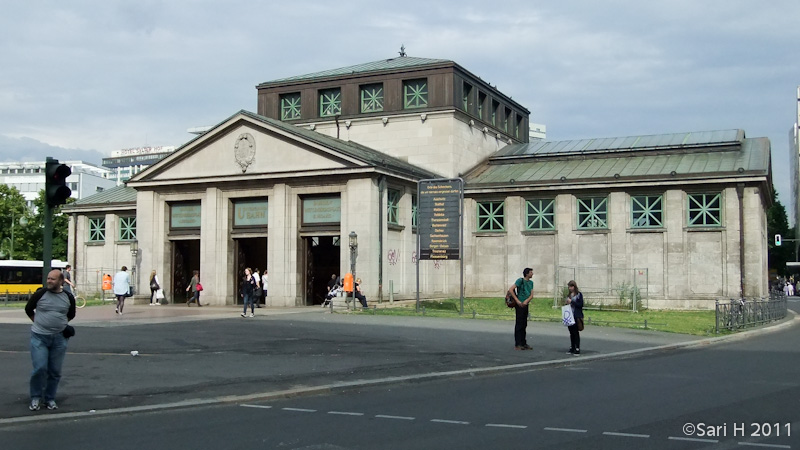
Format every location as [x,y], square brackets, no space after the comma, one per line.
[353,255]
[134,254]
[22,221]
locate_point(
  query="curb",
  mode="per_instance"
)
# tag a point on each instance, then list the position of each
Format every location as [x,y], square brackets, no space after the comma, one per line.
[345,386]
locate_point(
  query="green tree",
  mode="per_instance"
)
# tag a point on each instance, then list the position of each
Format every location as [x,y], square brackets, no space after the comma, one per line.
[12,208]
[33,234]
[777,223]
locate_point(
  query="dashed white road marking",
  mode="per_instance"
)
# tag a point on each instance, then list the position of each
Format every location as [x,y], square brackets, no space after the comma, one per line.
[455,422]
[711,441]
[756,444]
[633,435]
[382,416]
[345,413]
[521,427]
[566,430]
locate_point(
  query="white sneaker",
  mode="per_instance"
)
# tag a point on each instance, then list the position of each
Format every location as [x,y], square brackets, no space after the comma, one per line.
[252,315]
[151,304]
[244,315]
[158,304]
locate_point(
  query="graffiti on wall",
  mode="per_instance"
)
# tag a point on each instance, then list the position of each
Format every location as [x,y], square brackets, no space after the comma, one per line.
[393,256]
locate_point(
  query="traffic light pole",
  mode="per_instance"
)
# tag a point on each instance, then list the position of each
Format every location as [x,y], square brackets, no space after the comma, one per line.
[47,250]
[56,192]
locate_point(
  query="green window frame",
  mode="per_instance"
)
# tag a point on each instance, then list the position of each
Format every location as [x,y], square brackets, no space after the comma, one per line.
[467,97]
[393,206]
[705,210]
[519,126]
[495,107]
[290,106]
[506,119]
[647,211]
[330,102]
[372,98]
[414,210]
[415,94]
[481,104]
[492,216]
[127,228]
[97,229]
[540,214]
[592,213]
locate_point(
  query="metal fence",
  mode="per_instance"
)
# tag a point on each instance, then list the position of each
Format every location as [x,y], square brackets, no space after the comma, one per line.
[605,287]
[7,297]
[735,314]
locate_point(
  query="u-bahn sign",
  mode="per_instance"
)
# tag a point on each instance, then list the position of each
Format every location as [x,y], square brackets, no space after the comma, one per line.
[439,218]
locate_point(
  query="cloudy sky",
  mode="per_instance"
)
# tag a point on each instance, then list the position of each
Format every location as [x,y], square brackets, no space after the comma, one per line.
[81,79]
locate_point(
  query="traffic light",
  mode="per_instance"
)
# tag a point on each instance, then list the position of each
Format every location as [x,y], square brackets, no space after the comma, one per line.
[55,185]
[777,240]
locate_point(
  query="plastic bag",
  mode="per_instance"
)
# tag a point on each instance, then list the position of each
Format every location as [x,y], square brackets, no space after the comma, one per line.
[567,318]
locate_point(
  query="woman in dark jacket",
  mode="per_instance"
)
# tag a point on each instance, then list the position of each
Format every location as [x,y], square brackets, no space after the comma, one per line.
[248,292]
[575,299]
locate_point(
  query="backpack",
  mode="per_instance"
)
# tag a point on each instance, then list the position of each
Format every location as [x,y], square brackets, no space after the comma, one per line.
[510,302]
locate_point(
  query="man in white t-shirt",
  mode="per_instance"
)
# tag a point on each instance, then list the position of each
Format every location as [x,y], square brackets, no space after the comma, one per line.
[257,292]
[264,282]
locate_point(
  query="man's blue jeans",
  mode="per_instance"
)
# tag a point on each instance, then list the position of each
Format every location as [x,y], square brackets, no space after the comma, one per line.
[47,354]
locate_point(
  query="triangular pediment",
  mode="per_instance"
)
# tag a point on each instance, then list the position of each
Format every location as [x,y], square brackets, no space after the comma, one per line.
[244,146]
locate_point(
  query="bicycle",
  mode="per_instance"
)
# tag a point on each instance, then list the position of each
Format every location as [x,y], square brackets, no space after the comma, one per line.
[80,302]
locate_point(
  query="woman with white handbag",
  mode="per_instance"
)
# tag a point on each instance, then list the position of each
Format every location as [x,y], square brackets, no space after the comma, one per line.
[575,301]
[155,287]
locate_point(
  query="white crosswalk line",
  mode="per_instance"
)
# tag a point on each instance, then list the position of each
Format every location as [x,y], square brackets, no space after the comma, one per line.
[456,422]
[345,413]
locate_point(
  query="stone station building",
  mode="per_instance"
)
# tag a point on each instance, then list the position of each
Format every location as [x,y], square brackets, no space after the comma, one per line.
[342,150]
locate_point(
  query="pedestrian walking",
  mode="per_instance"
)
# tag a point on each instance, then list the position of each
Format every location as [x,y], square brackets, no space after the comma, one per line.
[575,300]
[522,292]
[50,309]
[248,291]
[154,287]
[195,287]
[257,293]
[68,284]
[264,284]
[122,288]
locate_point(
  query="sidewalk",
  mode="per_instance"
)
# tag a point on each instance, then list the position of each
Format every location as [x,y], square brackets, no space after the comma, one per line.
[104,316]
[191,356]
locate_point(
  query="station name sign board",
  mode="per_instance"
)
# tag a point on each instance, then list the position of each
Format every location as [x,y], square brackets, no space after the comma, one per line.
[439,218]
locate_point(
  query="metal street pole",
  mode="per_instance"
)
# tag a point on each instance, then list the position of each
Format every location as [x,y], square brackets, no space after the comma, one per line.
[353,255]
[47,251]
[11,252]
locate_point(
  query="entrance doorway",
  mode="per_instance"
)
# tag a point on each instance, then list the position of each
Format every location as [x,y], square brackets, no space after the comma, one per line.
[185,259]
[252,253]
[322,255]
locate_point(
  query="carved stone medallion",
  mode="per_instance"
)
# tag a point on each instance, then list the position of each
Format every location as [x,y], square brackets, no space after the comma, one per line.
[245,151]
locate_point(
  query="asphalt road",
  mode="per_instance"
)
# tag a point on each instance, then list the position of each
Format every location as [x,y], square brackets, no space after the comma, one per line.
[185,361]
[638,402]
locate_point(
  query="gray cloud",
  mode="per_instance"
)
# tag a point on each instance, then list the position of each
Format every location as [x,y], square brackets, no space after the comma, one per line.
[27,149]
[118,74]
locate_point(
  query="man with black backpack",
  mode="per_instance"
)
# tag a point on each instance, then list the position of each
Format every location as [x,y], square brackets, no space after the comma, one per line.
[522,292]
[50,309]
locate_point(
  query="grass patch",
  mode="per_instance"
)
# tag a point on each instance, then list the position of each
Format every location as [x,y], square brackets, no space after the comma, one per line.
[699,323]
[97,301]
